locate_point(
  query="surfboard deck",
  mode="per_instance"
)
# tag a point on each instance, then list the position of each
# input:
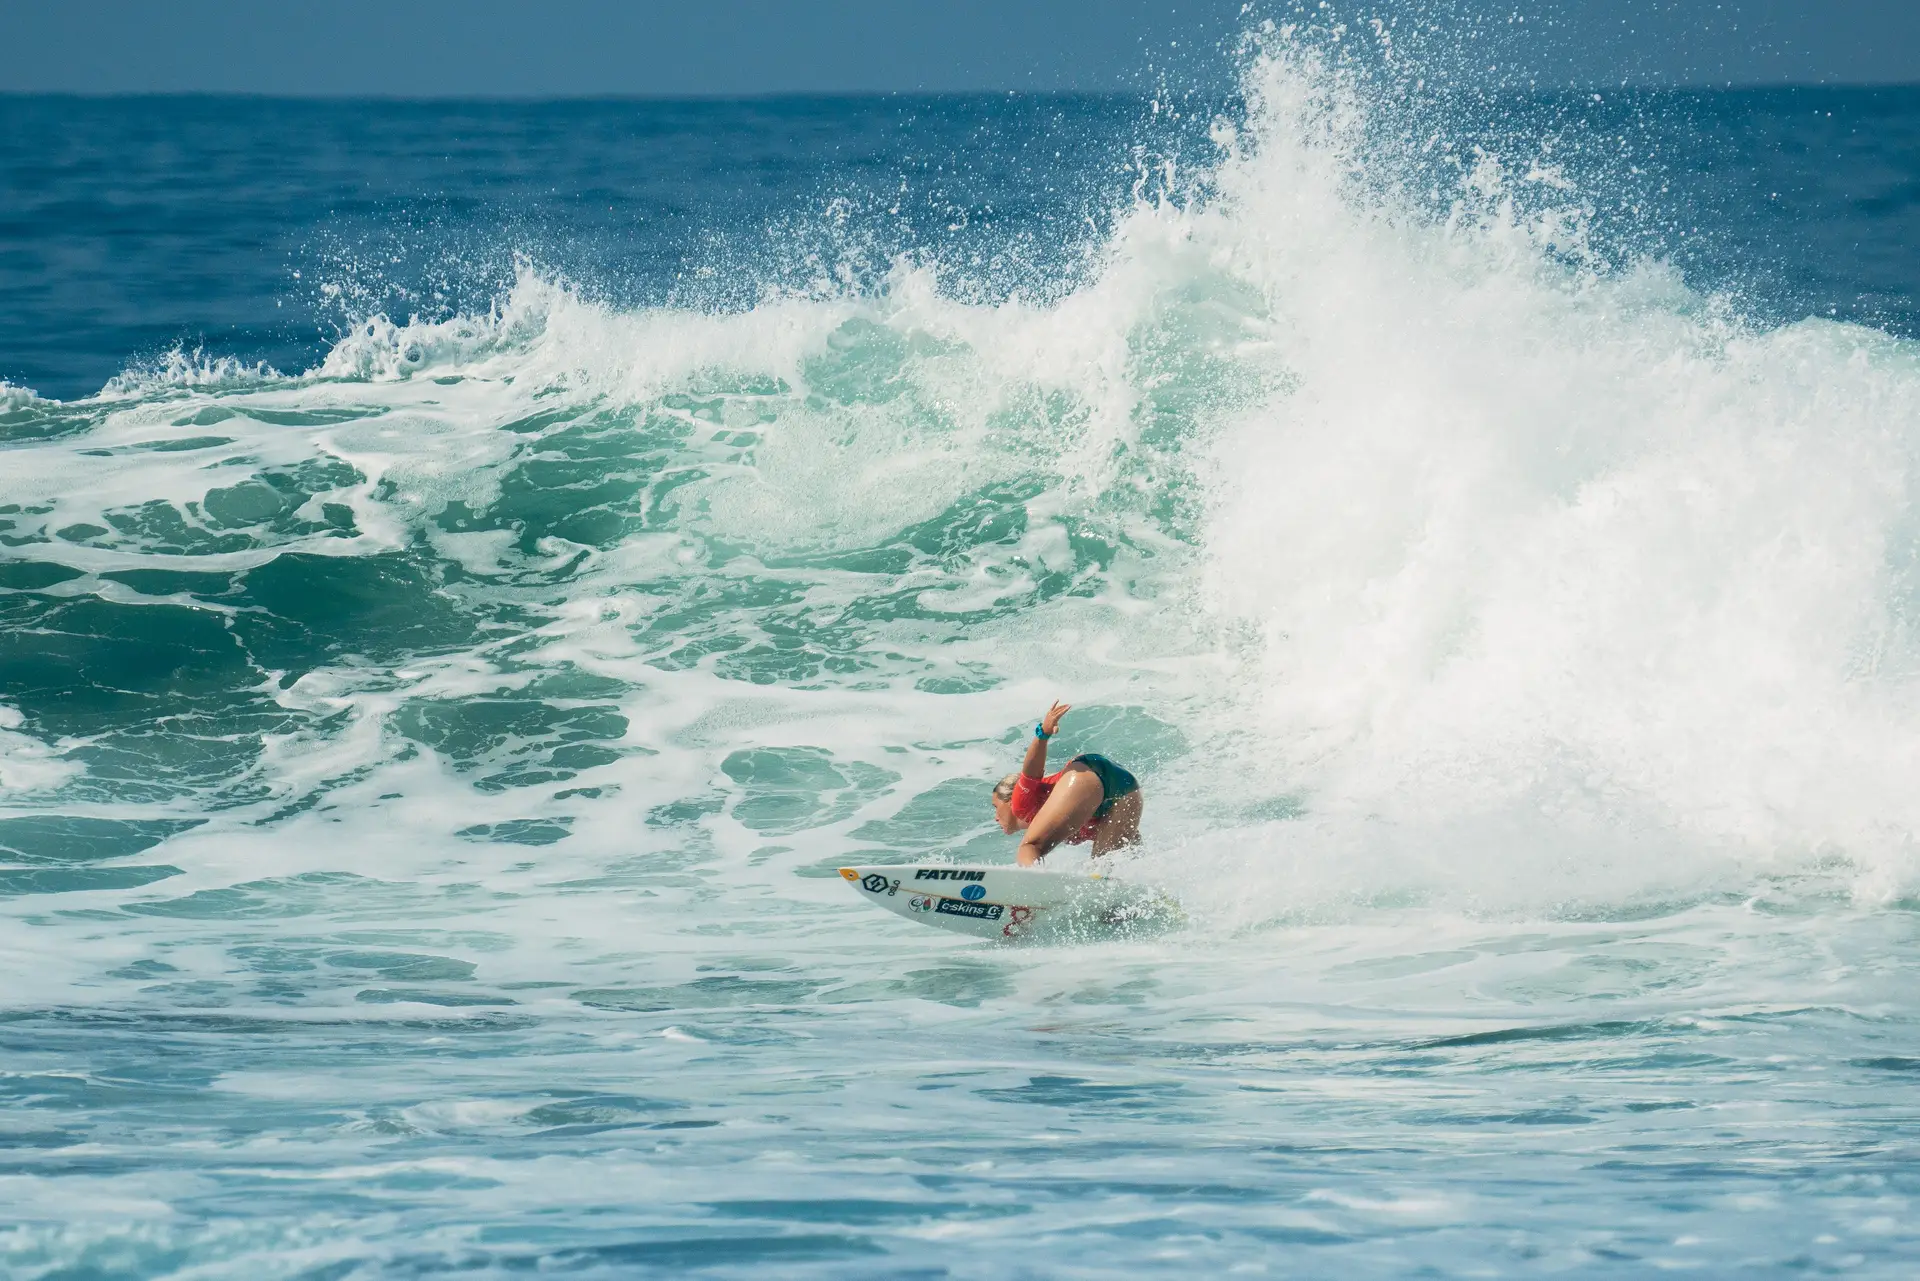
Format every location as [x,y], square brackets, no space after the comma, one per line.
[1009,903]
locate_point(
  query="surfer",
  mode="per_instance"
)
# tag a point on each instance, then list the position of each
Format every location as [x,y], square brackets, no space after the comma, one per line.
[1092,799]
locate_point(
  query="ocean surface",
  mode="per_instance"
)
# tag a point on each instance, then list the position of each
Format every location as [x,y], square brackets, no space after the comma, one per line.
[469,572]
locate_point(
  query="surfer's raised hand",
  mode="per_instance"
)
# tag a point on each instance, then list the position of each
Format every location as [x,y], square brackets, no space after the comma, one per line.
[1035,765]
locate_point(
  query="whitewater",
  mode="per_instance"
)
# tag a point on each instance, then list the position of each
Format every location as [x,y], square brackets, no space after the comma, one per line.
[422,776]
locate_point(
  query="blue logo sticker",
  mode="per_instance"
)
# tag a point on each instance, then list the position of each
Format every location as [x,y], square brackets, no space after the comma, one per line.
[973,892]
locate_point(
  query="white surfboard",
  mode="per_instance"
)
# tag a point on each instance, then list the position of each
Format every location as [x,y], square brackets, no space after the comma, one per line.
[1013,902]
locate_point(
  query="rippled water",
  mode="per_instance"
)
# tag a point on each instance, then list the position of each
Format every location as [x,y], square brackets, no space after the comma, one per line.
[423,774]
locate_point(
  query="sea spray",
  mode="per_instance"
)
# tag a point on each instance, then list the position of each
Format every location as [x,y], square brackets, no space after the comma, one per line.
[1542,555]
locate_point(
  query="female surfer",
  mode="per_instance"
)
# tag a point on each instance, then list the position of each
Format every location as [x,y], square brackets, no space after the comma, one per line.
[1092,799]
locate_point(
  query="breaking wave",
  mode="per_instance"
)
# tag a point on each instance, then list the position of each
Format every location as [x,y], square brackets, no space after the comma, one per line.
[1413,549]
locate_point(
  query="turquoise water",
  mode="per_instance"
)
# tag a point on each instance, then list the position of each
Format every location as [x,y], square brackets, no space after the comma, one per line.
[424,773]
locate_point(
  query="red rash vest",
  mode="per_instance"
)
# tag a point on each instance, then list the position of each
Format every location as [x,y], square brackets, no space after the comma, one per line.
[1029,794]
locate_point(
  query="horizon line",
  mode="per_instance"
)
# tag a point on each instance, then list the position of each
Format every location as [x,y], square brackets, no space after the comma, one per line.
[789,95]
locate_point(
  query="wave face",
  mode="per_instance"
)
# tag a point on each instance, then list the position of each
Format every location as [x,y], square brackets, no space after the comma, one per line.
[423,774]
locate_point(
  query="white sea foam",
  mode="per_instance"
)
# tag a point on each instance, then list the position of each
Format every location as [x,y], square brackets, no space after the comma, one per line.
[27,765]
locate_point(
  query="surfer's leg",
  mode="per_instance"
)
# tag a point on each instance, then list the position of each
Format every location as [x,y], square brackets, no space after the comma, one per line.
[1121,826]
[1075,797]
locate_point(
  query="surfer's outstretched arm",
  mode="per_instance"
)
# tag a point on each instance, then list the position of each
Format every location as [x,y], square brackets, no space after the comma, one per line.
[1035,766]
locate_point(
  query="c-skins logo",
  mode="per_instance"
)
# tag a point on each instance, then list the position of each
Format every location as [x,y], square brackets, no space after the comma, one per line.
[978,911]
[873,882]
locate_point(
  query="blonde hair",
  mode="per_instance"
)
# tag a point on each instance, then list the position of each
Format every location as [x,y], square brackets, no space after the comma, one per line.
[1003,790]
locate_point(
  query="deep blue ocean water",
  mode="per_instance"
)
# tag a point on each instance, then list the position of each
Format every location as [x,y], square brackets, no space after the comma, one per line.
[470,572]
[258,228]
